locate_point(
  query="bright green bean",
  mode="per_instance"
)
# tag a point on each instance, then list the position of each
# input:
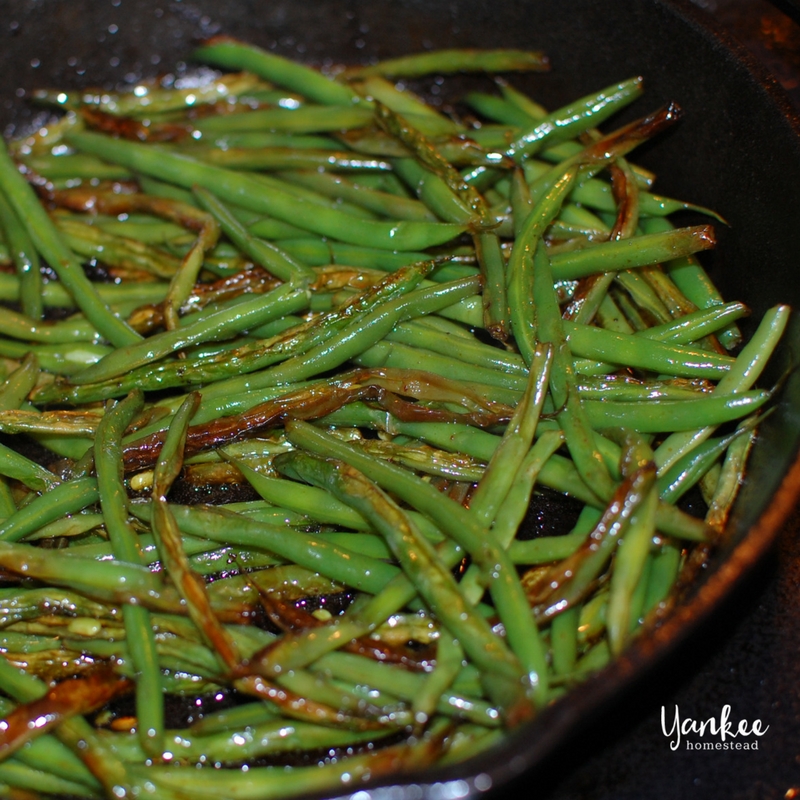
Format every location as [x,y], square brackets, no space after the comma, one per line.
[48,243]
[138,629]
[236,55]
[248,192]
[250,313]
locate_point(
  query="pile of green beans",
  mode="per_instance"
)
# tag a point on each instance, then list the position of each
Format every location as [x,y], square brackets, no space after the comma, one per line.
[392,331]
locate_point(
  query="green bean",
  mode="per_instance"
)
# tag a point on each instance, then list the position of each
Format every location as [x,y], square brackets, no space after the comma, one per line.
[511,513]
[232,54]
[19,383]
[458,149]
[46,754]
[689,469]
[565,584]
[21,604]
[74,732]
[19,326]
[165,530]
[149,98]
[633,549]
[564,641]
[517,98]
[64,498]
[434,163]
[75,166]
[246,191]
[101,550]
[674,415]
[593,660]
[642,294]
[521,201]
[237,717]
[457,523]
[495,484]
[114,250]
[708,482]
[697,324]
[26,259]
[262,781]
[310,501]
[555,548]
[250,313]
[55,423]
[521,264]
[113,581]
[684,330]
[598,195]
[449,658]
[434,192]
[557,472]
[319,253]
[264,253]
[690,277]
[12,394]
[239,746]
[54,295]
[575,118]
[424,570]
[730,478]
[667,292]
[610,317]
[182,282]
[467,348]
[353,338]
[7,505]
[623,387]
[590,342]
[497,109]
[60,359]
[573,414]
[663,573]
[266,228]
[314,197]
[404,684]
[323,690]
[271,139]
[389,205]
[316,553]
[76,525]
[399,100]
[47,242]
[522,470]
[35,477]
[425,459]
[13,773]
[108,461]
[247,358]
[455,60]
[630,309]
[504,388]
[629,253]
[280,158]
[743,374]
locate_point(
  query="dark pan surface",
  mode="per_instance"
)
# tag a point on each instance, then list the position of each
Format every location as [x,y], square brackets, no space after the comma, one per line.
[737,151]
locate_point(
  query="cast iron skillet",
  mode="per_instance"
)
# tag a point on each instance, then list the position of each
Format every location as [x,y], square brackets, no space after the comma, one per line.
[737,151]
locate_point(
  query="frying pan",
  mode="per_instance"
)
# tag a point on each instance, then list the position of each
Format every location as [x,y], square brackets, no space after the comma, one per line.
[737,151]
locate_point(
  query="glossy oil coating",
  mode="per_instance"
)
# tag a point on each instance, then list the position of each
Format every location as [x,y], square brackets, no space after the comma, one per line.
[735,151]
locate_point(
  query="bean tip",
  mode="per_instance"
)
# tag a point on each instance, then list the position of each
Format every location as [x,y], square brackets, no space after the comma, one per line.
[706,236]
